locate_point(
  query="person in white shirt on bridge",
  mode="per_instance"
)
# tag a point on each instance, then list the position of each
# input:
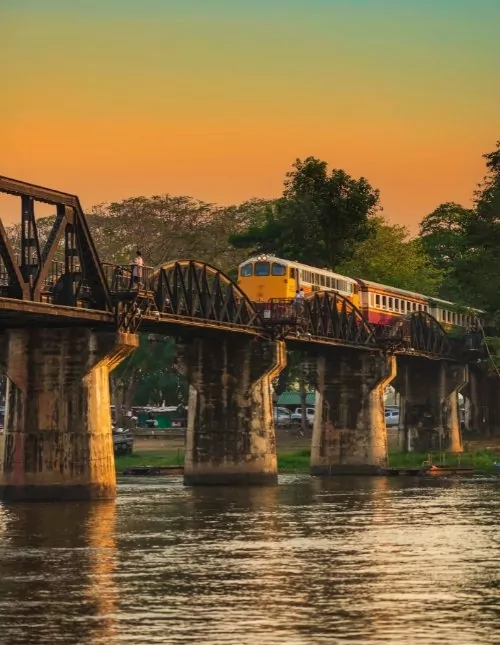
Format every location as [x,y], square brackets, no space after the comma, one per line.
[137,269]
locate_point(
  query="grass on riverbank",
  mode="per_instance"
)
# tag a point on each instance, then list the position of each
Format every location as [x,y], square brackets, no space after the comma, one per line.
[299,460]
[291,461]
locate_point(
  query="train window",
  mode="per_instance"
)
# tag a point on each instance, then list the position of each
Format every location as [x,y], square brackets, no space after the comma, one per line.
[246,270]
[390,303]
[292,272]
[396,304]
[384,302]
[377,300]
[262,268]
[322,280]
[278,269]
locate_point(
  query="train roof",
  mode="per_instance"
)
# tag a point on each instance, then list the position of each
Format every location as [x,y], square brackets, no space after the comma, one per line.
[386,287]
[455,304]
[306,267]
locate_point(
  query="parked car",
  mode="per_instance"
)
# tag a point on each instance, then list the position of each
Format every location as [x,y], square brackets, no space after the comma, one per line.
[391,417]
[123,442]
[297,416]
[282,417]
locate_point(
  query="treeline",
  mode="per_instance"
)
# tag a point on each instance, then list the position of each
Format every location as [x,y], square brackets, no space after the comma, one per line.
[325,218]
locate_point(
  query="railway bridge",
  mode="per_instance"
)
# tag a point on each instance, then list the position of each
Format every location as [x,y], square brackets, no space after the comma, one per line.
[67,319]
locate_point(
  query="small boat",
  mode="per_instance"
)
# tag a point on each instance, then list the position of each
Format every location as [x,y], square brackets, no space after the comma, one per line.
[439,471]
[408,472]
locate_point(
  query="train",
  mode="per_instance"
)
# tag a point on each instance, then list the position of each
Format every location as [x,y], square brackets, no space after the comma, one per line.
[264,278]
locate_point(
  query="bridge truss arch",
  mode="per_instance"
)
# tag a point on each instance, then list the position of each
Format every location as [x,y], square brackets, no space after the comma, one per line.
[420,333]
[330,317]
[191,290]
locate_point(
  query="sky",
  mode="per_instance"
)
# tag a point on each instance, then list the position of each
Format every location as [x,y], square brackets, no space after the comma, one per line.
[215,99]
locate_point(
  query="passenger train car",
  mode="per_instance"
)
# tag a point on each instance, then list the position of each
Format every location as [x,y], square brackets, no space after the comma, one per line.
[266,277]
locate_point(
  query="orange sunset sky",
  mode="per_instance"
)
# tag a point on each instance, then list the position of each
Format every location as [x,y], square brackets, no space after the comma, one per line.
[216,98]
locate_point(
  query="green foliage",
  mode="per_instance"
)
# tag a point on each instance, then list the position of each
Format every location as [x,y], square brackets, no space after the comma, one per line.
[480,274]
[295,461]
[167,227]
[157,458]
[465,244]
[492,345]
[443,234]
[388,256]
[147,376]
[319,218]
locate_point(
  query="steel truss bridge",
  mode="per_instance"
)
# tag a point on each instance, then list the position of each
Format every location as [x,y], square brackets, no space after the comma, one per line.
[62,282]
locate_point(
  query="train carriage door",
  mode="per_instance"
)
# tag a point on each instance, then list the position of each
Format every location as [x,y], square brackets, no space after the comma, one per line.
[293,281]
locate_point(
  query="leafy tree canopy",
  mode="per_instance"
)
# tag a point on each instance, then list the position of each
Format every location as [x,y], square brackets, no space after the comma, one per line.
[388,256]
[465,243]
[319,218]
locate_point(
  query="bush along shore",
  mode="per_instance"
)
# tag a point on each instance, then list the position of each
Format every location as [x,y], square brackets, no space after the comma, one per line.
[298,461]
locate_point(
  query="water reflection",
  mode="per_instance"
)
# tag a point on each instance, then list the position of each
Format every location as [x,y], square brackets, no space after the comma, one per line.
[56,573]
[347,560]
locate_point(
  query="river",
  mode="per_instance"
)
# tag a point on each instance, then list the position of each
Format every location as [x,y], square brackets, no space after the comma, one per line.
[333,561]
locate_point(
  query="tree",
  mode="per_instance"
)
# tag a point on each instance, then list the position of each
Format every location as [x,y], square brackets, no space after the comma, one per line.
[167,227]
[319,218]
[147,377]
[478,271]
[388,256]
[443,234]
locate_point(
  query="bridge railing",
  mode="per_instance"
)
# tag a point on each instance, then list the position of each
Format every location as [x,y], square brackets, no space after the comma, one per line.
[128,278]
[280,311]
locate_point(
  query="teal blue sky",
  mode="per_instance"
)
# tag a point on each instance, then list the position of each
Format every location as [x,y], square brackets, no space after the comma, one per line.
[216,98]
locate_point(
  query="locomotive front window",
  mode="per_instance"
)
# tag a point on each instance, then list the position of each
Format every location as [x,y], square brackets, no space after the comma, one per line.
[261,269]
[278,269]
[246,271]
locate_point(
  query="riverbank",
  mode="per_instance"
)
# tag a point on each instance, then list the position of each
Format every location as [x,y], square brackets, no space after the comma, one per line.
[297,459]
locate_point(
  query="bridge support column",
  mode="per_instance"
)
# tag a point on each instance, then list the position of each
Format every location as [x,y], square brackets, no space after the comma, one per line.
[478,398]
[58,443]
[349,434]
[230,435]
[429,404]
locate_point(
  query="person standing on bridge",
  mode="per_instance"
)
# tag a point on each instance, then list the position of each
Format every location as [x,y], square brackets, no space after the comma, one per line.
[137,269]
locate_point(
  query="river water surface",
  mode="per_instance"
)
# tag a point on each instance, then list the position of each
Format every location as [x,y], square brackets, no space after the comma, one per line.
[348,560]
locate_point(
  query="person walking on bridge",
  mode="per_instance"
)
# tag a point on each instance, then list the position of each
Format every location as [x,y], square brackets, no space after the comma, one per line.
[137,269]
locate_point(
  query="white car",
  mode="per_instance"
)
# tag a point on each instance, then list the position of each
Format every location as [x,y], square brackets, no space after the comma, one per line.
[297,416]
[282,417]
[391,418]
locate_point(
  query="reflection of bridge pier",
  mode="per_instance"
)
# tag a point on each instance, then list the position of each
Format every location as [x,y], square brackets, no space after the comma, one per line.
[429,403]
[230,435]
[349,434]
[58,442]
[58,579]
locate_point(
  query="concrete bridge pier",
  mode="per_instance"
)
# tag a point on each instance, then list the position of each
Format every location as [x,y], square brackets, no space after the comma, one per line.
[57,443]
[482,402]
[230,435]
[429,404]
[349,434]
